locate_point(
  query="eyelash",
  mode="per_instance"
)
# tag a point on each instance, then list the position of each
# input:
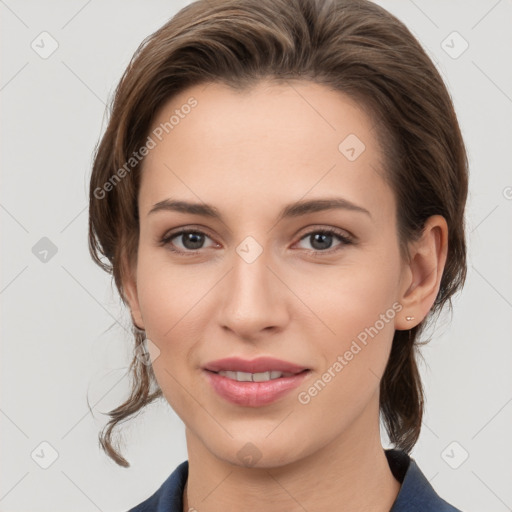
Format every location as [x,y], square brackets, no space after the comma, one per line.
[345,239]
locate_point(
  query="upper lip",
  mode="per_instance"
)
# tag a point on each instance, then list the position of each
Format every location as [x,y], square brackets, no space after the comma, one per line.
[261,364]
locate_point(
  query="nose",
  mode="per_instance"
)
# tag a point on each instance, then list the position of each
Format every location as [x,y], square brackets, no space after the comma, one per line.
[253,299]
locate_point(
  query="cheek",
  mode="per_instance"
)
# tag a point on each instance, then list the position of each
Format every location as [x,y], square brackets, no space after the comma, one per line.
[353,359]
[356,328]
[166,293]
[351,298]
[172,302]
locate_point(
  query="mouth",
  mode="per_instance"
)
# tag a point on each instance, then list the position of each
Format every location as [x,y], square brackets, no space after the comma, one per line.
[254,383]
[256,377]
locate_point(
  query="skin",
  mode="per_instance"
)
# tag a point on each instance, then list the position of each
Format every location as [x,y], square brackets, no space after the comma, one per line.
[249,154]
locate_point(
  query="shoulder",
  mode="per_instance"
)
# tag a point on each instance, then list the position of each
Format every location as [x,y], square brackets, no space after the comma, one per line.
[169,497]
[416,493]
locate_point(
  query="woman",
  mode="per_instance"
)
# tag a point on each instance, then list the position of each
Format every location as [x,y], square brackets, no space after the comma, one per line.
[280,196]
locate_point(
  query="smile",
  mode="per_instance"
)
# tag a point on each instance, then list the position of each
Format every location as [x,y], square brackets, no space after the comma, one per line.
[254,377]
[253,389]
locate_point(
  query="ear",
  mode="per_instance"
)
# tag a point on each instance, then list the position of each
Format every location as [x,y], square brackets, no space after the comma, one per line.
[422,274]
[131,297]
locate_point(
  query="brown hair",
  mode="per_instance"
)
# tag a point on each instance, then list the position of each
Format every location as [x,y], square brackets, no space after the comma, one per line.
[353,46]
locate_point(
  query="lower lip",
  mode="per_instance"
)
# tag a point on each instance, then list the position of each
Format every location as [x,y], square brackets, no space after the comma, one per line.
[254,394]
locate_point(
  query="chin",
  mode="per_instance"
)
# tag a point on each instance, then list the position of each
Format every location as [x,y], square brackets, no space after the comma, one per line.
[258,451]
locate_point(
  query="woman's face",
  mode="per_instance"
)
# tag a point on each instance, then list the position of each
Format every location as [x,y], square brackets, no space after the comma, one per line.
[252,282]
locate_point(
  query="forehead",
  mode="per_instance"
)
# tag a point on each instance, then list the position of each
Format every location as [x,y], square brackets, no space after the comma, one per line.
[272,140]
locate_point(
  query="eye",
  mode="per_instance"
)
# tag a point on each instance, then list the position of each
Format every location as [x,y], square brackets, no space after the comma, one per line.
[321,240]
[191,240]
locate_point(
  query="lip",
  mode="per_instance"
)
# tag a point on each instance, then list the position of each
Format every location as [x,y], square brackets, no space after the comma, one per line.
[260,364]
[253,394]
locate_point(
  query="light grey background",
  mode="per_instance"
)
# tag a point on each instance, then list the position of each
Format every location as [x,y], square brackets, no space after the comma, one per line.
[63,330]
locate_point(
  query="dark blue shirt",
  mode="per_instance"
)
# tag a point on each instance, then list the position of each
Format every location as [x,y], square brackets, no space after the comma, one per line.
[416,494]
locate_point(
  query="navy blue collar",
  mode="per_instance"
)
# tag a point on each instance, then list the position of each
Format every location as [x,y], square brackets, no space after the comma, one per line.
[416,494]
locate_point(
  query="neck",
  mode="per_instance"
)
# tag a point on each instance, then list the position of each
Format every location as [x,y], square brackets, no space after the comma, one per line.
[350,472]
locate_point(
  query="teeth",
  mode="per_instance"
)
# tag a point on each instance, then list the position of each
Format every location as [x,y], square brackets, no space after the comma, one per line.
[254,377]
[242,376]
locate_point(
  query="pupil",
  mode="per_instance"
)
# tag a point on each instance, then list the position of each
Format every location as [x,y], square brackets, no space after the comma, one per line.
[193,240]
[320,237]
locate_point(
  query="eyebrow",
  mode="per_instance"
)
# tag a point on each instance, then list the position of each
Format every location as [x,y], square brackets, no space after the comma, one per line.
[290,211]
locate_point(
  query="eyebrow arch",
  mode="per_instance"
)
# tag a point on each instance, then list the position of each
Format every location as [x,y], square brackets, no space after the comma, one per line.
[292,210]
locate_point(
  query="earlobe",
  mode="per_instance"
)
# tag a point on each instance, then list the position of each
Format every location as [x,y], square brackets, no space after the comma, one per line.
[423,273]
